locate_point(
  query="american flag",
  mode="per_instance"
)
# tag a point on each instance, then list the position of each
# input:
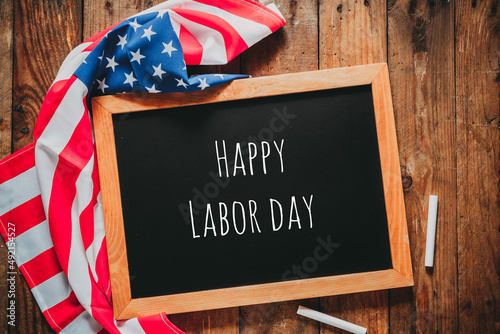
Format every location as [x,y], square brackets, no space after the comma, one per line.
[50,204]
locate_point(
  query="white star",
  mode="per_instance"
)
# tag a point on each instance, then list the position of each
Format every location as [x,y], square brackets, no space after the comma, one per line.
[123,41]
[111,63]
[203,83]
[135,25]
[102,85]
[185,67]
[130,79]
[136,56]
[181,83]
[161,12]
[152,89]
[168,48]
[219,75]
[148,33]
[100,58]
[158,71]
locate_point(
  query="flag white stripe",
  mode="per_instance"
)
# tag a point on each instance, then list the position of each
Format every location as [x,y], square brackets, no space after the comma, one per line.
[56,136]
[275,9]
[52,291]
[32,243]
[78,273]
[130,326]
[250,31]
[18,190]
[99,234]
[83,324]
[214,48]
[72,61]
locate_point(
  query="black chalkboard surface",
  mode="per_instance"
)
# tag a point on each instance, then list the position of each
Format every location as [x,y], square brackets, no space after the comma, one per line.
[220,194]
[167,158]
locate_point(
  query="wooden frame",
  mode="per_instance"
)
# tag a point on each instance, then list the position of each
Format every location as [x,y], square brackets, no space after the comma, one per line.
[400,276]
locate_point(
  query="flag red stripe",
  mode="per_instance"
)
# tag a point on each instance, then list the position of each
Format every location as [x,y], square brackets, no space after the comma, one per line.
[72,160]
[25,216]
[51,103]
[249,10]
[102,270]
[17,163]
[62,314]
[88,214]
[191,48]
[41,268]
[233,42]
[105,315]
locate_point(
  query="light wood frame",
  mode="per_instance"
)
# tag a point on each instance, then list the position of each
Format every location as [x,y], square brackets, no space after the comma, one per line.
[401,275]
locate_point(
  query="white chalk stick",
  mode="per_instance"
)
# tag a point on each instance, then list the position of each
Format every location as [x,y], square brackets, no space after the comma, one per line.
[431,231]
[328,319]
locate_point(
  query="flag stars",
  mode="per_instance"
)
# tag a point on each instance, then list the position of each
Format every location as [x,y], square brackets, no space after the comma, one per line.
[161,13]
[152,89]
[219,75]
[168,48]
[111,63]
[135,25]
[100,57]
[102,85]
[203,83]
[181,83]
[136,56]
[122,42]
[158,71]
[130,79]
[148,33]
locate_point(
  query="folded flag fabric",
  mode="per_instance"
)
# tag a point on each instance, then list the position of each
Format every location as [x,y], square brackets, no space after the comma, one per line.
[50,205]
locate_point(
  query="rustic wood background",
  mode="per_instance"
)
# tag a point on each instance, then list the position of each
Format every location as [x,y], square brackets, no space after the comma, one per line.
[443,58]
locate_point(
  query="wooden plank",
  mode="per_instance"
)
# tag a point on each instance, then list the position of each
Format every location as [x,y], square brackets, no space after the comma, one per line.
[44,33]
[421,53]
[293,48]
[477,67]
[6,40]
[354,33]
[99,15]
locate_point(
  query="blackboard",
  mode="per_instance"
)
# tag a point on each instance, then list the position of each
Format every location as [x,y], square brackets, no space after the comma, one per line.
[275,189]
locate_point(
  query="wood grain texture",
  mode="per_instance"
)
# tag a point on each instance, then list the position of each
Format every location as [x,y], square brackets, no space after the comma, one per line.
[278,318]
[293,48]
[421,54]
[6,51]
[354,33]
[393,188]
[477,26]
[44,33]
[6,40]
[101,14]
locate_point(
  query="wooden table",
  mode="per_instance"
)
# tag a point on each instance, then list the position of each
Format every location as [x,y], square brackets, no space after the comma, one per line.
[444,61]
